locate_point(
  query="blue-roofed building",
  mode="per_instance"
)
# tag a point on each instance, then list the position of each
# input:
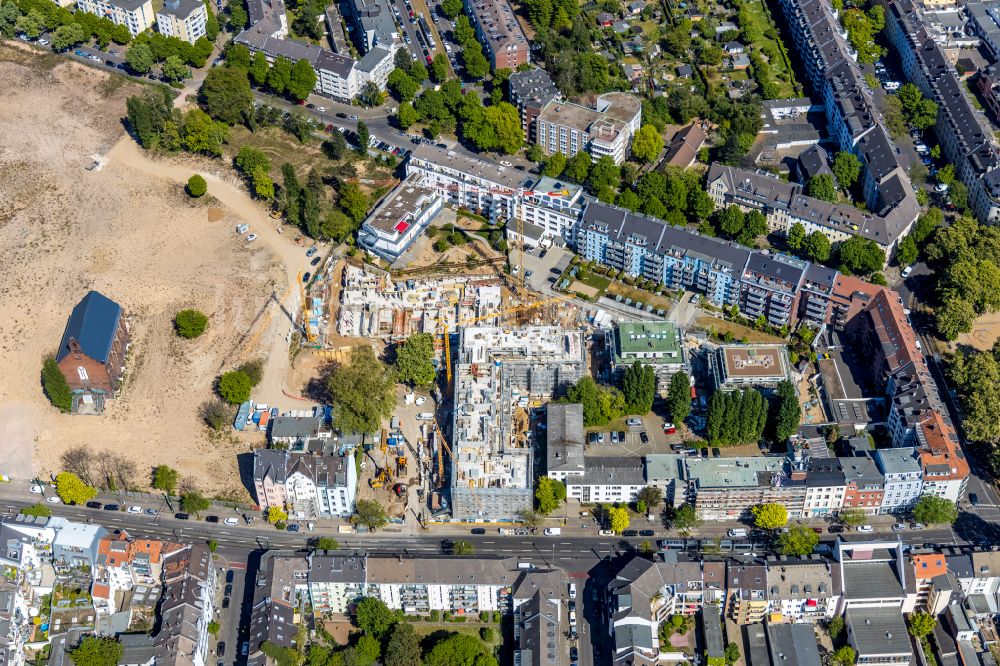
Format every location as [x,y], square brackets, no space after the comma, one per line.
[92,352]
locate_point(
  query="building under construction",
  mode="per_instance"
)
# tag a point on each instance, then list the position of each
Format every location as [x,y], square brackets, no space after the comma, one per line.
[497,373]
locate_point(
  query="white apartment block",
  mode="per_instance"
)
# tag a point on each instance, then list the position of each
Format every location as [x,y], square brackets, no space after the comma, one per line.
[567,128]
[183,19]
[399,219]
[903,478]
[607,480]
[136,15]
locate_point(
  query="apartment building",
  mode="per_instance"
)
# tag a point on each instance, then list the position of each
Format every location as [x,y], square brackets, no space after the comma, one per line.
[786,204]
[414,585]
[930,579]
[825,487]
[801,589]
[946,471]
[608,480]
[14,624]
[554,206]
[530,91]
[400,218]
[315,484]
[540,618]
[607,129]
[504,43]
[903,478]
[136,15]
[853,121]
[655,343]
[865,484]
[734,367]
[726,488]
[564,443]
[746,589]
[373,24]
[965,141]
[183,19]
[280,591]
[338,75]
[186,608]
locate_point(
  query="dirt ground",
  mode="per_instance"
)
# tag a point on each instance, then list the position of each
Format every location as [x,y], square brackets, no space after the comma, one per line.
[129,231]
[985,331]
[721,326]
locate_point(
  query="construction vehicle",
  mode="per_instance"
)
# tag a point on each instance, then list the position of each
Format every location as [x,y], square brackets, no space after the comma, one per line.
[380,480]
[399,489]
[400,465]
[309,336]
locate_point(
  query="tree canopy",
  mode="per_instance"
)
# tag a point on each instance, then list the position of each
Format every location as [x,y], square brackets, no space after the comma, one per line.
[822,187]
[797,541]
[414,360]
[96,651]
[460,650]
[226,94]
[786,412]
[190,323]
[234,387]
[72,490]
[639,387]
[847,168]
[194,502]
[369,513]
[363,392]
[618,519]
[165,478]
[373,617]
[55,386]
[549,494]
[770,515]
[933,510]
[601,403]
[647,143]
[679,397]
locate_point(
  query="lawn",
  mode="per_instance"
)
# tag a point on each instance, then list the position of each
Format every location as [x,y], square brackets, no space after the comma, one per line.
[647,298]
[739,332]
[598,282]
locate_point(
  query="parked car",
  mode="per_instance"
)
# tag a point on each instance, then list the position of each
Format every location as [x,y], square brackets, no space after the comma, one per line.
[644,437]
[251,238]
[231,521]
[479,530]
[182,516]
[306,277]
[230,574]
[220,649]
[906,271]
[315,261]
[36,489]
[614,437]
[646,533]
[669,428]
[311,251]
[973,499]
[135,509]
[94,505]
[835,529]
[866,529]
[53,499]
[916,526]
[112,507]
[211,519]
[630,533]
[151,512]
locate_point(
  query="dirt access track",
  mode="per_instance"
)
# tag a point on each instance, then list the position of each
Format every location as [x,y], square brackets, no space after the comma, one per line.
[129,231]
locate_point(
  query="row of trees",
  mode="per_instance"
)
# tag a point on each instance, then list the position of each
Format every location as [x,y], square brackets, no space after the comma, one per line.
[157,125]
[977,377]
[33,17]
[736,417]
[283,77]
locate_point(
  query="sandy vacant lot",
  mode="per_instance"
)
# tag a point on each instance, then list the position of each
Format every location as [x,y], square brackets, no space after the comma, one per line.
[132,234]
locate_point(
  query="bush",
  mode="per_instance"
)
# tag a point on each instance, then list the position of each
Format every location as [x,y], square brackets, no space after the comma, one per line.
[486,633]
[435,616]
[216,414]
[55,386]
[234,387]
[253,369]
[484,616]
[196,187]
[190,323]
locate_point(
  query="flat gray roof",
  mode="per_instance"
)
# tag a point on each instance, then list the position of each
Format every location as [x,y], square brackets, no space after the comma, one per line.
[878,631]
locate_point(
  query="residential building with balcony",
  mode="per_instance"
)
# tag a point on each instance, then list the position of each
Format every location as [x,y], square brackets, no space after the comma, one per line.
[15,624]
[554,206]
[280,592]
[930,579]
[746,589]
[801,589]
[187,607]
[825,487]
[136,15]
[530,91]
[946,470]
[607,130]
[504,43]
[734,367]
[373,24]
[608,480]
[315,484]
[726,488]
[183,19]
[400,218]
[540,619]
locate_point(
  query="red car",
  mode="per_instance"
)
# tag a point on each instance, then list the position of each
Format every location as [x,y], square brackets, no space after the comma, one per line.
[329,128]
[669,428]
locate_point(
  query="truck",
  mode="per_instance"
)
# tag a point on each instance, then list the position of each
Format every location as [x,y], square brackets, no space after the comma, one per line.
[553,531]
[425,416]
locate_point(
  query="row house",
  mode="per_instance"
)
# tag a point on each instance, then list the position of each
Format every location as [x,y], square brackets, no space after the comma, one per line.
[15,624]
[187,607]
[801,590]
[904,478]
[280,591]
[726,488]
[825,487]
[932,586]
[865,484]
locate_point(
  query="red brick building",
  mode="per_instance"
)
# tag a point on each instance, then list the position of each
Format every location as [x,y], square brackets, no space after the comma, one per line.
[865,484]
[91,354]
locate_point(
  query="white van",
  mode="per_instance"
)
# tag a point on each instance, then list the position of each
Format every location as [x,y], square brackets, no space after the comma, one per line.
[553,531]
[425,416]
[738,533]
[572,590]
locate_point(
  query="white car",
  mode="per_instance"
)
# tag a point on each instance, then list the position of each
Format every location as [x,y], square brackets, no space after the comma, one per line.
[941,188]
[36,489]
[321,109]
[135,509]
[95,58]
[53,500]
[231,521]
[506,163]
[906,273]
[251,238]
[421,400]
[43,42]
[242,228]
[865,529]
[572,590]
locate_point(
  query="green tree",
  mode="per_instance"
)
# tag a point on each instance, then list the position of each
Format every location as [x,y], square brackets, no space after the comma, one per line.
[754,225]
[679,397]
[72,490]
[67,36]
[55,386]
[844,656]
[175,69]
[685,518]
[907,251]
[364,138]
[785,412]
[369,513]
[302,80]
[96,651]
[476,64]
[958,195]
[259,68]
[578,167]
[797,541]
[554,165]
[234,387]
[190,323]
[933,510]
[202,134]
[165,478]
[249,158]
[847,168]
[652,497]
[647,143]
[237,17]
[463,548]
[922,624]
[769,516]
[451,8]
[364,392]
[601,404]
[796,237]
[403,646]
[732,653]
[213,628]
[406,116]
[730,221]
[275,515]
[325,543]
[194,502]
[618,519]
[239,56]
[414,360]
[37,510]
[836,627]
[402,85]
[226,94]
[852,517]
[31,24]
[861,256]
[460,650]
[439,68]
[549,493]
[353,202]
[639,387]
[280,75]
[139,58]
[196,186]
[821,187]
[817,247]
